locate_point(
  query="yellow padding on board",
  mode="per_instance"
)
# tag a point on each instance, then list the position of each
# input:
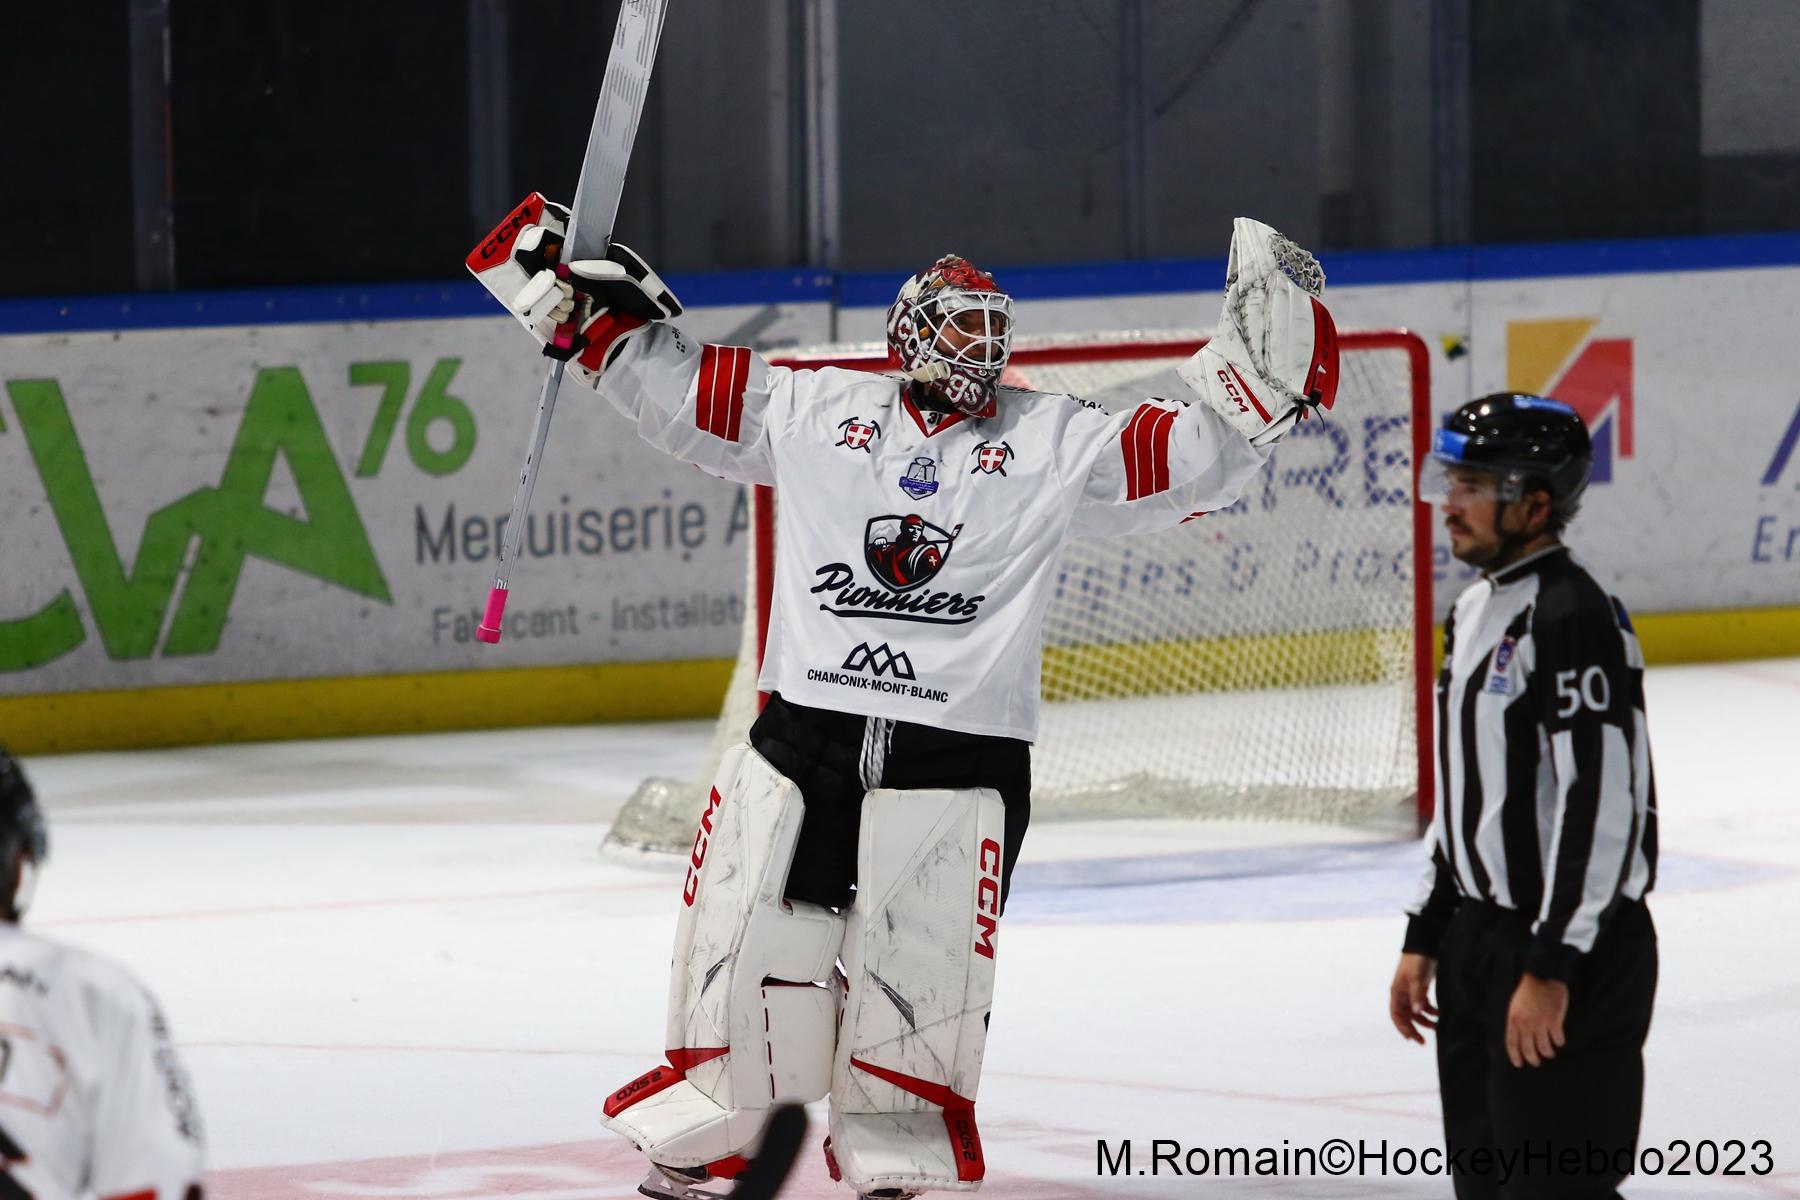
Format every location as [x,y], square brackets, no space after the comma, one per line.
[1719,635]
[304,708]
[309,708]
[1223,664]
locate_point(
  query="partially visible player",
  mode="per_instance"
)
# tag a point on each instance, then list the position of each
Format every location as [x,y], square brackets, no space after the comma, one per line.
[875,816]
[93,1100]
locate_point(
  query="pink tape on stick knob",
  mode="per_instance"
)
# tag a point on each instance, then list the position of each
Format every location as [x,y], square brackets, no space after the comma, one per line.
[489,629]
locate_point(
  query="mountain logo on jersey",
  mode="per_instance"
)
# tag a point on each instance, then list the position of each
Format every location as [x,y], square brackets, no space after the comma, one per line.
[990,459]
[880,660]
[857,433]
[920,479]
[905,552]
[1591,375]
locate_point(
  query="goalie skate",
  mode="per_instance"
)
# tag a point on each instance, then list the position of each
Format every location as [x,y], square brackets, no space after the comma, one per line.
[675,1183]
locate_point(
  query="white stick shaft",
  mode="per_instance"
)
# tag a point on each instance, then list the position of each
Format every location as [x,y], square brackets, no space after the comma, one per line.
[610,137]
[540,433]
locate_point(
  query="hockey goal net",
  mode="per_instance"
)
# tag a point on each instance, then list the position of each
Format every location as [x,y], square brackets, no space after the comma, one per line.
[1266,660]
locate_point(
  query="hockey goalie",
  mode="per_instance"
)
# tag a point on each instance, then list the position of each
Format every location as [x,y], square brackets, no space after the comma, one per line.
[839,922]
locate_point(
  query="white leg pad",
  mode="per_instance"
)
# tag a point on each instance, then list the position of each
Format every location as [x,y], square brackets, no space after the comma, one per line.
[919,958]
[750,1023]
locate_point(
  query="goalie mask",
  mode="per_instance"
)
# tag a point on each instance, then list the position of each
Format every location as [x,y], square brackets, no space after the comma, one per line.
[951,329]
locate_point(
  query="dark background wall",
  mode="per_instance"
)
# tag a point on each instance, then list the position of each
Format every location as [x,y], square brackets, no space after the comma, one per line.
[1599,138]
[324,141]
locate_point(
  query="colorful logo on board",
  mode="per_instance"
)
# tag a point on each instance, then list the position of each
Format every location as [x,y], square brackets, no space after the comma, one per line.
[1591,375]
[1784,451]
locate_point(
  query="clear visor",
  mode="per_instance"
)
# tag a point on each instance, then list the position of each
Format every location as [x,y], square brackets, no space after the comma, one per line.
[974,329]
[1443,482]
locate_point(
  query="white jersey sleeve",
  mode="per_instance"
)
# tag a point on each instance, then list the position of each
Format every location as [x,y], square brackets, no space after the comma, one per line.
[147,1135]
[93,1098]
[709,405]
[1163,463]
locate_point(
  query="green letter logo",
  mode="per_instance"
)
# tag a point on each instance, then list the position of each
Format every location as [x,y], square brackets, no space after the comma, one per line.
[231,521]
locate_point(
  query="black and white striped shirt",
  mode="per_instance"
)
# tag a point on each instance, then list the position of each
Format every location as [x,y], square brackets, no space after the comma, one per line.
[1546,801]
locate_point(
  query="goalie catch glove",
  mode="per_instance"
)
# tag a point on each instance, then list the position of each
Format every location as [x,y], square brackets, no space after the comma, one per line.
[1274,355]
[584,309]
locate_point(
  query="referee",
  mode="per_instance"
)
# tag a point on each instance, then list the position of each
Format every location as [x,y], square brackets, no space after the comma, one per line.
[1531,915]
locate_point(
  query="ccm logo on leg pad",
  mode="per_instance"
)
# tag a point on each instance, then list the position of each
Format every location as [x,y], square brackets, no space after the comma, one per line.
[987,898]
[702,838]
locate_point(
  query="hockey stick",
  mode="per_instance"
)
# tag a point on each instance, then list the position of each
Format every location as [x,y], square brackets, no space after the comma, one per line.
[763,1178]
[591,219]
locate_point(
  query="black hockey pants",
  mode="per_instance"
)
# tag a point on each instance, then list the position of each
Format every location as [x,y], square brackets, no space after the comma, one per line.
[1571,1124]
[827,753]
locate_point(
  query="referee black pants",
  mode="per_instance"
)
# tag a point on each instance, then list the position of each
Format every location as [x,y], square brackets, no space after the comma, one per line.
[1569,1126]
[828,755]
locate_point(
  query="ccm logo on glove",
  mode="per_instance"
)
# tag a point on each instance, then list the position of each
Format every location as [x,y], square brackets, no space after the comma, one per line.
[499,240]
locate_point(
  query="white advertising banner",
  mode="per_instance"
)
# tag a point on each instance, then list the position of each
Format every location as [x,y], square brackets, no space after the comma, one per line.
[1687,380]
[208,505]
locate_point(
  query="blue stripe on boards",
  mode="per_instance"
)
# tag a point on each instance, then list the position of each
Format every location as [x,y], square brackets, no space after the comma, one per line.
[456,298]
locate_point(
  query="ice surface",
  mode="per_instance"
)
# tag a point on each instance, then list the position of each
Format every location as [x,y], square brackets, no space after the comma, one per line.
[398,967]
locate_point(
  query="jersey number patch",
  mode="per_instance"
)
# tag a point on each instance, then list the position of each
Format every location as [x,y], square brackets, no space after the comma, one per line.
[1592,691]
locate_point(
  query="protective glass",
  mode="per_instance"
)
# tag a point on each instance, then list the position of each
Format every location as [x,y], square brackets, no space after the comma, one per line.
[1441,481]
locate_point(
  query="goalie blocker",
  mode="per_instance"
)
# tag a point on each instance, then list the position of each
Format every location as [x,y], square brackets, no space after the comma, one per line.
[580,311]
[754,998]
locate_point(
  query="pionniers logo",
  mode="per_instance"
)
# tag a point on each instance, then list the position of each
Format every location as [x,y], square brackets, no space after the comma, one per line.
[904,553]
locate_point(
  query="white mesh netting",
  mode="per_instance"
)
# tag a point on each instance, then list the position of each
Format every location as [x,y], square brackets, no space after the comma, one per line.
[1262,660]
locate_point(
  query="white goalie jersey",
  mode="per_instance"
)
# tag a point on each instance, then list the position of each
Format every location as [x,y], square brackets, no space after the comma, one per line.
[916,551]
[93,1100]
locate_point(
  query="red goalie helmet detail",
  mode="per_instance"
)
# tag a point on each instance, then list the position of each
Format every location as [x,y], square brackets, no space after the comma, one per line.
[951,327]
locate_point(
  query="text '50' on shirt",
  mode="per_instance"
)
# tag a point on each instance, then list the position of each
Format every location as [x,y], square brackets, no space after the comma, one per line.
[915,552]
[1546,802]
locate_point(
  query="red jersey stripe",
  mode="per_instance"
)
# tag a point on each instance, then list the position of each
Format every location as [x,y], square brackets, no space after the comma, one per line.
[703,387]
[1145,445]
[740,379]
[1159,448]
[719,390]
[1128,446]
